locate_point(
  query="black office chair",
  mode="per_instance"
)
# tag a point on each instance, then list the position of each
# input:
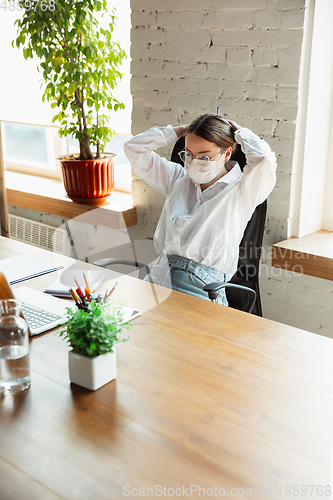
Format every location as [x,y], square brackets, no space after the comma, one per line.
[247,274]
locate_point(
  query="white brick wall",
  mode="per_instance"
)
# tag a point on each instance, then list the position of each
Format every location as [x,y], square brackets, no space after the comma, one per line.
[190,56]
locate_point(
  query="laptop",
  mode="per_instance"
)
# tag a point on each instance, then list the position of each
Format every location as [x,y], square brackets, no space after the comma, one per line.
[43,312]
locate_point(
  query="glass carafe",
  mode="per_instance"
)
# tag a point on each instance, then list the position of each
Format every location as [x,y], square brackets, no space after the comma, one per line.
[14,348]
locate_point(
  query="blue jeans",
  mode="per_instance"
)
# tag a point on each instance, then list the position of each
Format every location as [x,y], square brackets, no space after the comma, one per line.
[186,276]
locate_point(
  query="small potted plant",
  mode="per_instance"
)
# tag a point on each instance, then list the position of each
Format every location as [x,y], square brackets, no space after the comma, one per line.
[79,65]
[92,335]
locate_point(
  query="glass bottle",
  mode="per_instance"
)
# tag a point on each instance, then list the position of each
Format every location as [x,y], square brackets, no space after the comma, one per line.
[14,348]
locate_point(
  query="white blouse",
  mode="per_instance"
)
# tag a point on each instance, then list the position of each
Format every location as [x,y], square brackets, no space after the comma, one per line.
[207,226]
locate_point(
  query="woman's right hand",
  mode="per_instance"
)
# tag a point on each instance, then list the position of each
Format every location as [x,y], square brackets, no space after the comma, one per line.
[234,126]
[181,130]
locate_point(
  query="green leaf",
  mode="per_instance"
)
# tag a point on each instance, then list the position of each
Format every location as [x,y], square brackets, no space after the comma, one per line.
[95,331]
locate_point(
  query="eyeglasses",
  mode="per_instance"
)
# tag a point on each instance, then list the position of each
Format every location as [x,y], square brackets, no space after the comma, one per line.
[202,159]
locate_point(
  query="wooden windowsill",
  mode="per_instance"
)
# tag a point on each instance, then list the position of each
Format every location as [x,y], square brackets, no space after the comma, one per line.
[311,255]
[48,195]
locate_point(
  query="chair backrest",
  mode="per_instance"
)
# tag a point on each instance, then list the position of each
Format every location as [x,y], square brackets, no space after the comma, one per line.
[247,273]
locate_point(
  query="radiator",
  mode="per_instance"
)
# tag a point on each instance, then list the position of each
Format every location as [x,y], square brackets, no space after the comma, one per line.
[37,234]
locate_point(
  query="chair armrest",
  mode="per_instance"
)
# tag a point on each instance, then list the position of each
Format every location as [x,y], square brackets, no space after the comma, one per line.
[213,288]
[143,268]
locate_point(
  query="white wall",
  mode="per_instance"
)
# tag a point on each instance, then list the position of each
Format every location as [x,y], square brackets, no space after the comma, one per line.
[188,57]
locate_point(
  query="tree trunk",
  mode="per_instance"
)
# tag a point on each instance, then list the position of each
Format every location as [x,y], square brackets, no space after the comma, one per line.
[87,147]
[85,151]
[83,155]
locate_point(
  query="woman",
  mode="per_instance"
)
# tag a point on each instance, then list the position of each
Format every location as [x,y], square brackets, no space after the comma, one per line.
[208,203]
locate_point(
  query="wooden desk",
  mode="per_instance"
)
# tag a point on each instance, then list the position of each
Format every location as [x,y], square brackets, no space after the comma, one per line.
[205,396]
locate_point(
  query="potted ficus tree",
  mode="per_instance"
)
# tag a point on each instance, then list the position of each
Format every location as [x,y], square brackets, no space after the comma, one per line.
[92,336]
[79,66]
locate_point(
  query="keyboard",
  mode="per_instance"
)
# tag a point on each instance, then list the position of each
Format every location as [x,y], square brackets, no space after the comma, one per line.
[40,320]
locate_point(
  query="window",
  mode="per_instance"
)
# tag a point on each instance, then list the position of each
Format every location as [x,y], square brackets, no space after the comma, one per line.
[313,163]
[32,149]
[30,141]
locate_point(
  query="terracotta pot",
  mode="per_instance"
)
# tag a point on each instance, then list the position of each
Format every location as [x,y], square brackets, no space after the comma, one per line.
[86,180]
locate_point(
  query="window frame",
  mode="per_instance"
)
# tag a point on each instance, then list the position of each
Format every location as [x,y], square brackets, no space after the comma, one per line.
[312,165]
[55,147]
[328,204]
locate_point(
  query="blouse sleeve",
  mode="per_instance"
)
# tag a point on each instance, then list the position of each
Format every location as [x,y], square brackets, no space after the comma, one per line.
[157,171]
[259,174]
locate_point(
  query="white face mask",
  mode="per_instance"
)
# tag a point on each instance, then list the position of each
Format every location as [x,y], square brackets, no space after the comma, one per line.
[201,174]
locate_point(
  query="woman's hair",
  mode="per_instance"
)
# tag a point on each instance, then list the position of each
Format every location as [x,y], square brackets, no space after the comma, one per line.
[214,129]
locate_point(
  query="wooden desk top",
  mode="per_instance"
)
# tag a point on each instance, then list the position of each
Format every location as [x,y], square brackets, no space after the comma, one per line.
[205,396]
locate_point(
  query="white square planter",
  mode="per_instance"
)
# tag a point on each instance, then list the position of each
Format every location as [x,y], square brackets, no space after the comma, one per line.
[92,373]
